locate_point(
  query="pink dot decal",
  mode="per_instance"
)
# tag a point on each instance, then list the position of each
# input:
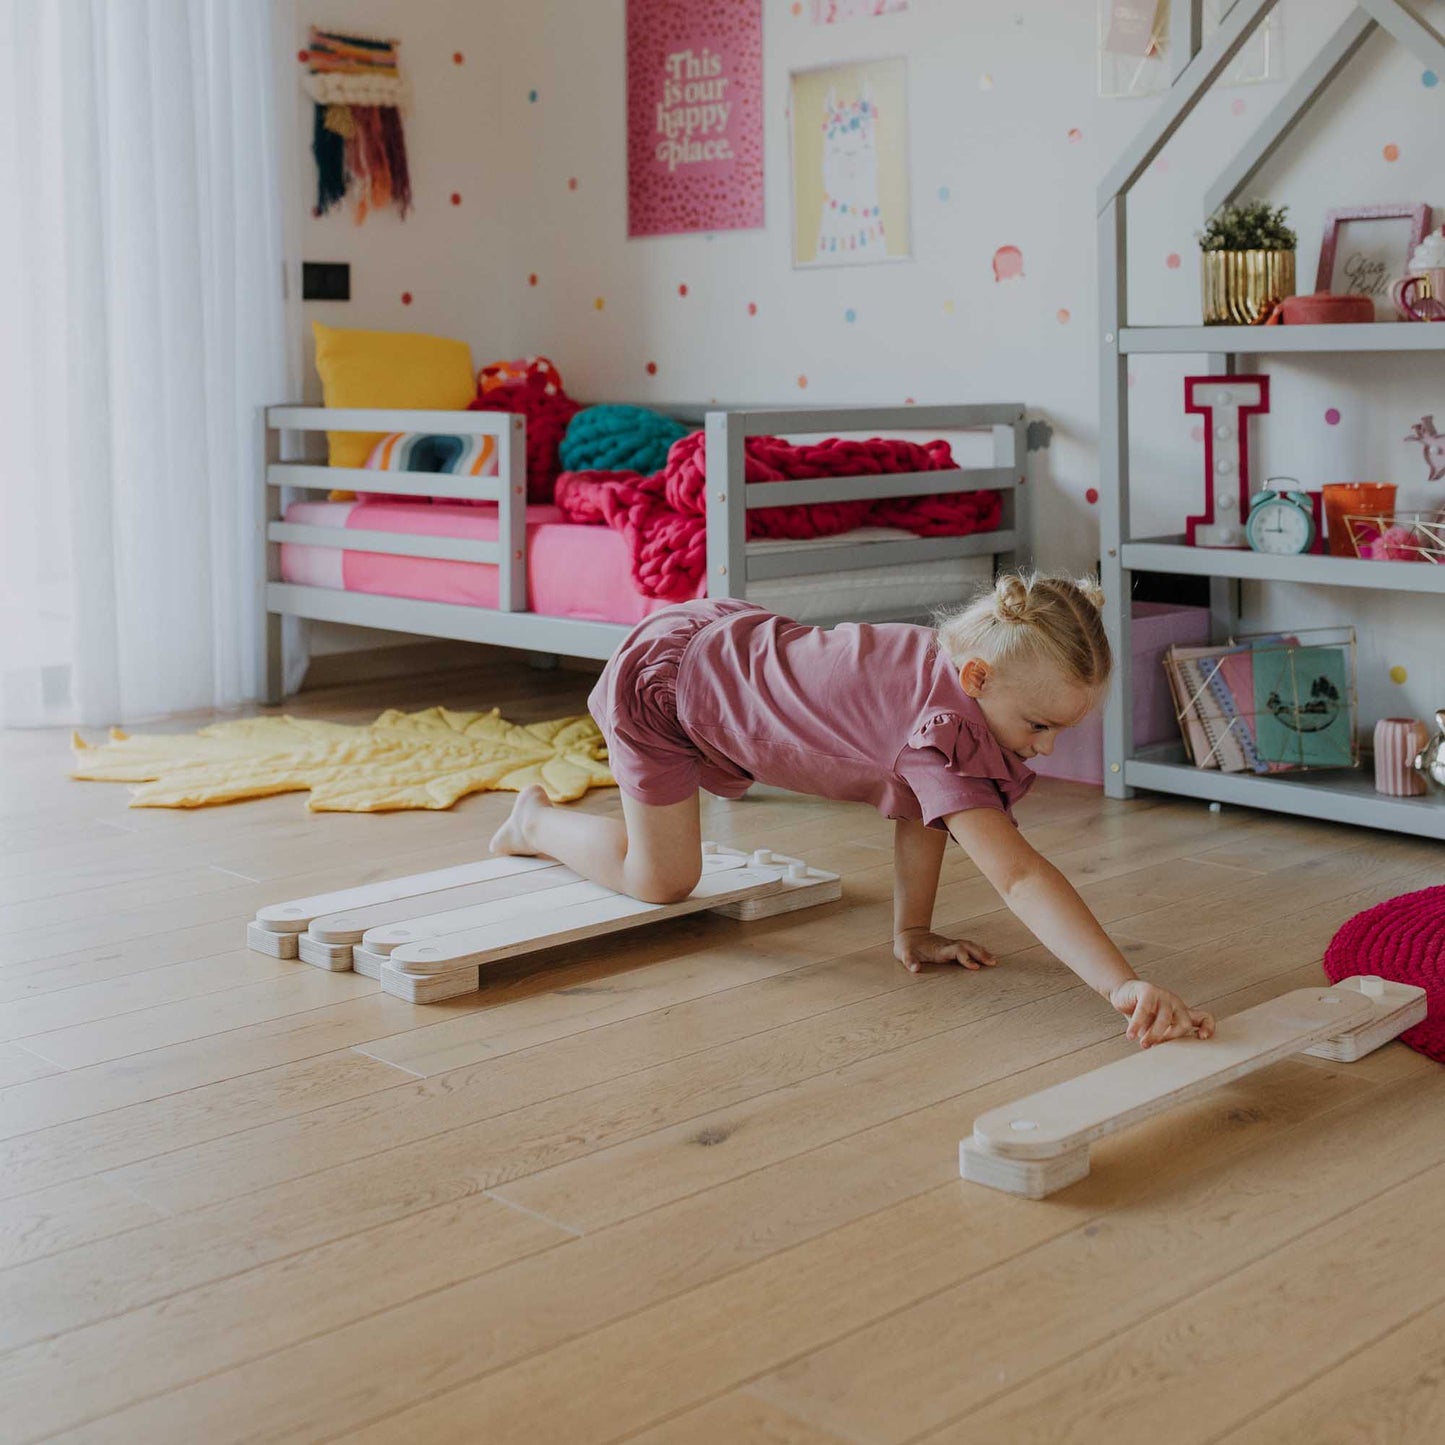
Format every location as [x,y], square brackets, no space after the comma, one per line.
[652,368]
[456,198]
[571,183]
[1062,315]
[682,290]
[1092,495]
[802,383]
[752,308]
[1172,261]
[406,298]
[1332,416]
[1391,152]
[1075,136]
[532,279]
[458,58]
[1008,263]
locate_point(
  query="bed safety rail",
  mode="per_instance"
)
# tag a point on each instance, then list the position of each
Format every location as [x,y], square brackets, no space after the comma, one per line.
[732,563]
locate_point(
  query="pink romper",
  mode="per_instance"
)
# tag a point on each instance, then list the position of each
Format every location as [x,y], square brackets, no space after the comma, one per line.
[719,694]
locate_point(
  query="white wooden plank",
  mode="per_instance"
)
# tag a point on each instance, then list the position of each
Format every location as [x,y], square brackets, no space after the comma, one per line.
[1040,1143]
[352,925]
[1078,1111]
[585,920]
[297,914]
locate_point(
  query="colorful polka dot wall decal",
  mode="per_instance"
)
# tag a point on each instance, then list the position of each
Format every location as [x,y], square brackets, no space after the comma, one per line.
[944,193]
[1429,79]
[682,290]
[1075,135]
[571,183]
[1398,675]
[909,401]
[1332,416]
[456,198]
[1238,105]
[652,368]
[797,7]
[458,58]
[1008,263]
[1172,261]
[1092,496]
[802,383]
[985,81]
[532,279]
[1391,152]
[949,307]
[1062,316]
[532,97]
[406,298]
[752,308]
[850,316]
[599,303]
[304,56]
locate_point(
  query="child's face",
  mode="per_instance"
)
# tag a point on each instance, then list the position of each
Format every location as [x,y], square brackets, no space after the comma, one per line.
[1026,705]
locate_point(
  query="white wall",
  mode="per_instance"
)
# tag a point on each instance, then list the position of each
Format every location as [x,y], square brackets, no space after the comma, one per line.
[995,92]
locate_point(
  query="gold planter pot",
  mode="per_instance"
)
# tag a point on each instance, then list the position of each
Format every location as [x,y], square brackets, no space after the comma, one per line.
[1242,287]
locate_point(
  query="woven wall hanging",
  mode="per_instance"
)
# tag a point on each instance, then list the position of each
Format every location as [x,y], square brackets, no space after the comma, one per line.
[357,138]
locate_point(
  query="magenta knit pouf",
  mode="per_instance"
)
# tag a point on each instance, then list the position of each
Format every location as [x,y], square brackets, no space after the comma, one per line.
[1402,939]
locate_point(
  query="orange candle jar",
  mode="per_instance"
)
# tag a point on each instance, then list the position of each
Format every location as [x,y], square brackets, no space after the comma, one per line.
[1354,499]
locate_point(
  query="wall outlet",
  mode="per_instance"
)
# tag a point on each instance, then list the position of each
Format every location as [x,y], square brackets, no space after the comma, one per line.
[325,281]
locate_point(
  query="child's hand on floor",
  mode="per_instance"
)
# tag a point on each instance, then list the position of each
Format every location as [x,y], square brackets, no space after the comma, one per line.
[1156,1014]
[916,946]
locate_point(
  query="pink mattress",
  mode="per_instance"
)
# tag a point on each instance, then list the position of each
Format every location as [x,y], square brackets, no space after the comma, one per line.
[585,572]
[572,570]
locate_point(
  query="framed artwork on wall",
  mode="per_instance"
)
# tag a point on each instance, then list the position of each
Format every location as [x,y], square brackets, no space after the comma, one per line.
[694,116]
[1366,249]
[850,164]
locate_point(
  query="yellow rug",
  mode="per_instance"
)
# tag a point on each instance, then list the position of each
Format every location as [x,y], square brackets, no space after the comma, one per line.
[403,760]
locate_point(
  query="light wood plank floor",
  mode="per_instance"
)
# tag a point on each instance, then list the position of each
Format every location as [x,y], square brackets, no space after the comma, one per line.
[693,1185]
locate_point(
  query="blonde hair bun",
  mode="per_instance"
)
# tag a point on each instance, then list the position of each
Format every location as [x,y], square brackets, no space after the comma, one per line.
[1052,617]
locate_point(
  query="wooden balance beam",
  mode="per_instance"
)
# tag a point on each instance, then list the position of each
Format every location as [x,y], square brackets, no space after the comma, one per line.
[1041,1143]
[426,937]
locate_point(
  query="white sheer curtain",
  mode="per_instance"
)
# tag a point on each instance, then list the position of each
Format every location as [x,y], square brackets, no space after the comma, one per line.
[141,243]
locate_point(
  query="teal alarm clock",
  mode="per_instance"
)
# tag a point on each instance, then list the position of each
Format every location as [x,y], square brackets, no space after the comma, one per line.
[1281,523]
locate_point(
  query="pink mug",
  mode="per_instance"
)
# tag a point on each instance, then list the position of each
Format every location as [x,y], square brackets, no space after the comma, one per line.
[1428,307]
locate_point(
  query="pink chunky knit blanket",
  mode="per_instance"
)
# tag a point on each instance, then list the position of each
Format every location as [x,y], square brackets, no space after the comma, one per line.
[663,516]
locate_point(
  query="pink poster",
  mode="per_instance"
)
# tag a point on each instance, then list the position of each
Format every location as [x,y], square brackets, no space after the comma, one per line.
[694,116]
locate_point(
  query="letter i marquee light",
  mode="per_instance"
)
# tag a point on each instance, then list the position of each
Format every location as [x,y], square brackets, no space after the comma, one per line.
[1226,403]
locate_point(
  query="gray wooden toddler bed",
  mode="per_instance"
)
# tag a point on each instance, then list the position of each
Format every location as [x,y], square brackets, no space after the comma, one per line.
[866,575]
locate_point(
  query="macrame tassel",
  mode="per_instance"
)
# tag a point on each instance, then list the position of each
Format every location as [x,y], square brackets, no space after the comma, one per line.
[394,146]
[330,151]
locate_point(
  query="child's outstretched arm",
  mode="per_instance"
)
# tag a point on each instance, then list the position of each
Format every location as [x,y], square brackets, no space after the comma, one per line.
[1048,905]
[917,859]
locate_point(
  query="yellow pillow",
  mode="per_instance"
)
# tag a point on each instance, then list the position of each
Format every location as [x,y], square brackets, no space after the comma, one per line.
[391,369]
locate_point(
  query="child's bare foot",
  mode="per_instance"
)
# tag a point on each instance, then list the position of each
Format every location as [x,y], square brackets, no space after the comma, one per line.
[514,836]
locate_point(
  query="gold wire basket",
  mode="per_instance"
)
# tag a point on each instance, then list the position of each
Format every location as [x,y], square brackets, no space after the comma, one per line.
[1398,537]
[1270,702]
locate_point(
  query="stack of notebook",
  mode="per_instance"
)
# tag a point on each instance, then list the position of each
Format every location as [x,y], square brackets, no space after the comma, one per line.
[1265,705]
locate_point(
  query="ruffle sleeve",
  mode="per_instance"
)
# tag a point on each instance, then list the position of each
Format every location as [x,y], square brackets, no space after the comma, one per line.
[950,765]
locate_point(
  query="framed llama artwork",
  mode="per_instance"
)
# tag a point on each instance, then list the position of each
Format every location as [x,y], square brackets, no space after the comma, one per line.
[850,164]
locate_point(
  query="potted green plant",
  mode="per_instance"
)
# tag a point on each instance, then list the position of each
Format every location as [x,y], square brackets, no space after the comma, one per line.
[1246,263]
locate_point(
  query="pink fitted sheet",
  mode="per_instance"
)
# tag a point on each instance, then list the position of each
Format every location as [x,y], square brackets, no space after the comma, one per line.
[572,570]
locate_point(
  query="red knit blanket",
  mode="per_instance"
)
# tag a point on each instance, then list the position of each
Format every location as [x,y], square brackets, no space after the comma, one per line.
[663,516]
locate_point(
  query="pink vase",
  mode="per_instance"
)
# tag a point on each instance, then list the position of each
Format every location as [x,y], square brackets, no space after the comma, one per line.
[1397,741]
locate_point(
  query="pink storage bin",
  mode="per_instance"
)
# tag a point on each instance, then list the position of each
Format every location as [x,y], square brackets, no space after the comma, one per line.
[1079,751]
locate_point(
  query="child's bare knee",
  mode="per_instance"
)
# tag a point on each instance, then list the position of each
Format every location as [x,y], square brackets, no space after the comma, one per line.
[663,886]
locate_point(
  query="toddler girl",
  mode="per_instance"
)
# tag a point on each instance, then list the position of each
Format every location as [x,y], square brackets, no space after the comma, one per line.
[932,726]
